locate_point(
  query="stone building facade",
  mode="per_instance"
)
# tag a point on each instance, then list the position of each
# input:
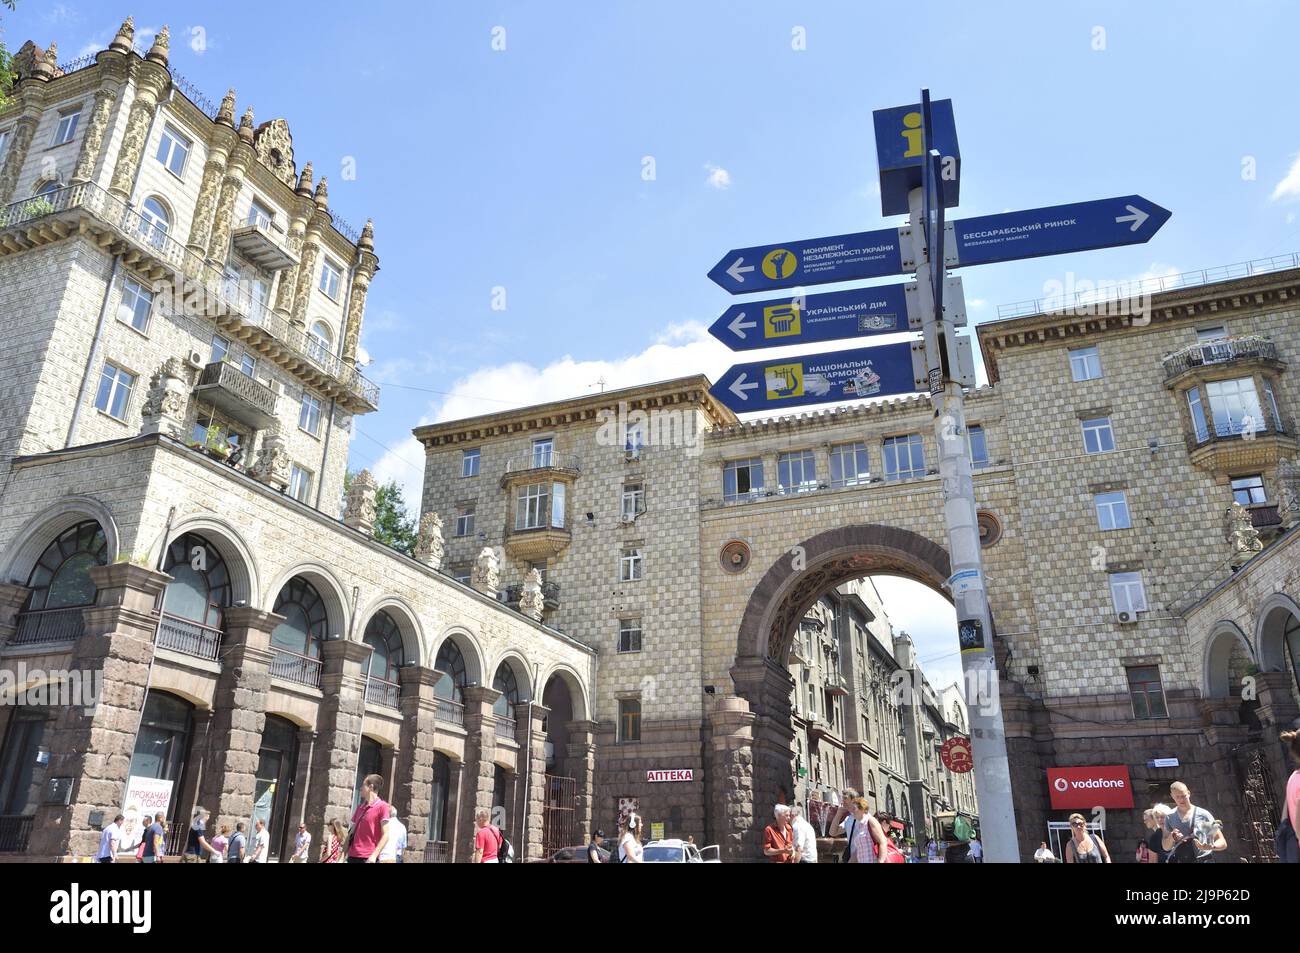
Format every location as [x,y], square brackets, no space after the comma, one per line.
[182,314]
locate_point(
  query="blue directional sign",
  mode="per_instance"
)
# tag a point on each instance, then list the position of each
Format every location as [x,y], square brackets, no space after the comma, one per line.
[901,149]
[815,261]
[855,374]
[832,316]
[1056,230]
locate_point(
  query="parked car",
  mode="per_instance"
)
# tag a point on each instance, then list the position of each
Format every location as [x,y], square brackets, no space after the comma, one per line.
[674,851]
[574,855]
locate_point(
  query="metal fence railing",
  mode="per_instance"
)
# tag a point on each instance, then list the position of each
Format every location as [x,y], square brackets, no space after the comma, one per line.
[189,637]
[49,625]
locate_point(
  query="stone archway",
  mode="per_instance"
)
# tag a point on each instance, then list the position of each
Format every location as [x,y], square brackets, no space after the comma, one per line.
[750,758]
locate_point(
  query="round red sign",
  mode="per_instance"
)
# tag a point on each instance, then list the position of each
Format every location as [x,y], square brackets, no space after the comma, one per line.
[956,755]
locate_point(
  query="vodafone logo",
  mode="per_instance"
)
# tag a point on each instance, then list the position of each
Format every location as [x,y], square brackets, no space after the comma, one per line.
[1090,783]
[1061,785]
[1095,786]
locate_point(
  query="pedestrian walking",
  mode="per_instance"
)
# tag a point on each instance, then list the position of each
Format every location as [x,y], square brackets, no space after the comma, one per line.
[1044,854]
[1083,847]
[367,821]
[593,849]
[1191,834]
[331,852]
[629,842]
[301,845]
[393,842]
[866,836]
[219,845]
[976,851]
[1154,821]
[1288,851]
[197,847]
[487,839]
[805,836]
[238,847]
[261,853]
[155,836]
[931,851]
[778,838]
[109,841]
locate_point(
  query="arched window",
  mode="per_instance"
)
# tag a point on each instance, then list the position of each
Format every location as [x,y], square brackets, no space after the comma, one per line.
[61,577]
[200,586]
[370,760]
[1291,639]
[319,341]
[439,789]
[154,221]
[871,783]
[450,665]
[505,683]
[305,621]
[48,187]
[383,636]
[890,804]
[906,818]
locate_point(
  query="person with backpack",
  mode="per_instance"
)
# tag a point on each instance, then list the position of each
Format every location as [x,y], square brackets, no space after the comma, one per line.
[1191,834]
[489,842]
[1288,851]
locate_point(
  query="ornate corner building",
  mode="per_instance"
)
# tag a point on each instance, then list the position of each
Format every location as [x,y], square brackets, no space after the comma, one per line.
[181,312]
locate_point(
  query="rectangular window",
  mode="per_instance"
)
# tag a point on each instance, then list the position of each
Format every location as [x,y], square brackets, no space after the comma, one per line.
[330,278]
[309,415]
[299,483]
[248,364]
[629,565]
[1197,410]
[633,503]
[260,215]
[173,150]
[1272,406]
[1127,593]
[978,443]
[1097,435]
[1206,335]
[1234,405]
[633,439]
[557,505]
[849,464]
[1248,489]
[462,574]
[469,461]
[67,127]
[543,452]
[532,504]
[742,479]
[220,348]
[1112,510]
[136,304]
[629,635]
[465,521]
[904,457]
[1146,691]
[1085,363]
[114,394]
[796,472]
[629,719]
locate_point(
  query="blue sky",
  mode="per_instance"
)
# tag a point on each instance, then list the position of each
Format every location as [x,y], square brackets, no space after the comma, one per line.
[523,169]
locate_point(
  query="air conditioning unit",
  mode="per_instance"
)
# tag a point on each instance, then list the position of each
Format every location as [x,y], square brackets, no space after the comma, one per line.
[632,454]
[1125,617]
[627,519]
[195,359]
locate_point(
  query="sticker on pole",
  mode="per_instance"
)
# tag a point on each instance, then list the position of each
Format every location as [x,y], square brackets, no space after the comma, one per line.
[970,632]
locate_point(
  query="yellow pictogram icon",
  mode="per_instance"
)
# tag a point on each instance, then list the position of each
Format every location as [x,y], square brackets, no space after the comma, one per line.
[783,380]
[779,263]
[914,135]
[781,321]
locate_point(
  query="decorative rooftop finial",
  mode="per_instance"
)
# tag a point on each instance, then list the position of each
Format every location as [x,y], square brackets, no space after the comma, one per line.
[124,42]
[43,66]
[226,114]
[322,195]
[304,182]
[367,240]
[246,125]
[161,45]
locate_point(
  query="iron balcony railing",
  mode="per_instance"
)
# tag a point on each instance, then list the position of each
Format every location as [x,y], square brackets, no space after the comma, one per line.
[189,637]
[231,297]
[547,460]
[1263,517]
[37,627]
[452,712]
[1220,351]
[227,377]
[505,727]
[380,691]
[15,831]
[293,667]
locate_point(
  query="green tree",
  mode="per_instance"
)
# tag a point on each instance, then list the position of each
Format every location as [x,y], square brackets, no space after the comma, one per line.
[394,526]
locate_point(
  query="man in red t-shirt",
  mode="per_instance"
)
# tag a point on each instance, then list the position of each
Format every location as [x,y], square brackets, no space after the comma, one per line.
[487,839]
[367,822]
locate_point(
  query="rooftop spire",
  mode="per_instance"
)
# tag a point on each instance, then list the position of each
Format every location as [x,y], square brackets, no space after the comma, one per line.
[246,125]
[322,196]
[161,44]
[304,182]
[124,42]
[367,240]
[226,114]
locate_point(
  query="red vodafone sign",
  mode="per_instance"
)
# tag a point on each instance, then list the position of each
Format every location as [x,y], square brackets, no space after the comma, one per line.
[956,755]
[680,774]
[1101,786]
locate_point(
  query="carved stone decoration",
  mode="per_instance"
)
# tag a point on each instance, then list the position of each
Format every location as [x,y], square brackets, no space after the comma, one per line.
[94,138]
[246,125]
[26,60]
[1242,535]
[124,42]
[161,47]
[486,577]
[47,67]
[322,194]
[274,146]
[151,82]
[226,112]
[359,513]
[1288,493]
[305,182]
[205,208]
[356,310]
[812,583]
[15,156]
[531,601]
[164,406]
[272,465]
[223,216]
[429,545]
[306,270]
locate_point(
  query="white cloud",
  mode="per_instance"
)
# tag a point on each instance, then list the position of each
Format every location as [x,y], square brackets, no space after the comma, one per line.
[1289,187]
[1290,218]
[976,302]
[719,178]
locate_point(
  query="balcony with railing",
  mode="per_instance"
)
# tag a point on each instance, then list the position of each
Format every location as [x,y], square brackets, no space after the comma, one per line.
[451,712]
[380,691]
[262,242]
[151,251]
[44,626]
[237,395]
[505,727]
[293,667]
[541,465]
[189,637]
[550,594]
[1231,351]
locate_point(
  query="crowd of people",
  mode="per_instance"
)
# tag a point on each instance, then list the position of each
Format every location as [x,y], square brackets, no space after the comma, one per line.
[870,838]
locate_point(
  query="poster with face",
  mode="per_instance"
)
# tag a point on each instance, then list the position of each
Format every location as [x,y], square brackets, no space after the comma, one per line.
[144,798]
[627,806]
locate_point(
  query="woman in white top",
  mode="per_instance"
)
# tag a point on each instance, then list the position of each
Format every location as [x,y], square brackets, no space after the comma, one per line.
[629,843]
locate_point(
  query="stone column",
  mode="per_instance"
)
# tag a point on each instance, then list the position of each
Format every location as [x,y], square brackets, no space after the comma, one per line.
[412,779]
[12,599]
[205,209]
[151,82]
[342,710]
[581,764]
[286,283]
[1221,717]
[306,271]
[93,142]
[532,779]
[1277,706]
[367,265]
[239,713]
[92,747]
[223,216]
[16,153]
[730,769]
[480,750]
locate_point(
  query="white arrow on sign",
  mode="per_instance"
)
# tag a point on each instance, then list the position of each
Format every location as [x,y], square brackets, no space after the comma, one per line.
[1137,218]
[738,387]
[739,323]
[736,272]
